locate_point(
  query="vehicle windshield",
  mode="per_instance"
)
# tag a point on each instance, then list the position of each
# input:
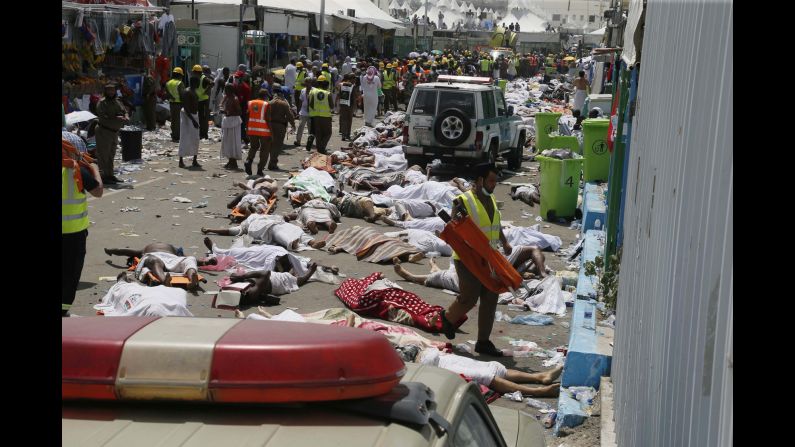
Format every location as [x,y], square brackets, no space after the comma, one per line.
[463,101]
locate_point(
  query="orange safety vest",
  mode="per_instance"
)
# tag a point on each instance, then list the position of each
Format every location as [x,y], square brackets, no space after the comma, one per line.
[256,118]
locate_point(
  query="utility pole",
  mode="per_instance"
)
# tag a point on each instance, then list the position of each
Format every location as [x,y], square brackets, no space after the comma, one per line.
[192,14]
[322,21]
[425,29]
[240,32]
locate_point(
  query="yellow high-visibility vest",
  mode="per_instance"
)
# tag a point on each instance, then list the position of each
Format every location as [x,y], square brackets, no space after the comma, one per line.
[476,210]
[321,107]
[201,92]
[172,87]
[74,207]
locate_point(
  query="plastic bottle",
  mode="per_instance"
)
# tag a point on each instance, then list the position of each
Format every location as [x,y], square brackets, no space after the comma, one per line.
[597,224]
[549,420]
[535,403]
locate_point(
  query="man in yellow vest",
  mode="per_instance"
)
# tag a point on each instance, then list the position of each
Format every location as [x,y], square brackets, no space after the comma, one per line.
[389,86]
[320,105]
[204,84]
[299,83]
[174,90]
[259,132]
[76,179]
[480,205]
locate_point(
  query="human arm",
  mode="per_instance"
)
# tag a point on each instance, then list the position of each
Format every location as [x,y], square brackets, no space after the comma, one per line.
[506,246]
[92,180]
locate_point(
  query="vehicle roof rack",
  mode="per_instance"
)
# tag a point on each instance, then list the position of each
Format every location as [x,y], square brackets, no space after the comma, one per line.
[465,79]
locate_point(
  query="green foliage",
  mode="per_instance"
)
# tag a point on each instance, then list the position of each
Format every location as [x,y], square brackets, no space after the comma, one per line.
[607,280]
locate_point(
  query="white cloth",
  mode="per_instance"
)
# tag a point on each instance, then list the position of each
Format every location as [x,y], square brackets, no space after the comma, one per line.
[386,151]
[252,199]
[423,240]
[260,257]
[188,135]
[480,372]
[579,99]
[283,283]
[531,236]
[417,208]
[432,224]
[269,229]
[290,74]
[231,143]
[391,163]
[444,279]
[134,299]
[322,177]
[172,263]
[287,315]
[412,177]
[370,95]
[441,194]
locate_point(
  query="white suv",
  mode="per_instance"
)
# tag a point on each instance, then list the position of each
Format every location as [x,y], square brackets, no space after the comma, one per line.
[464,120]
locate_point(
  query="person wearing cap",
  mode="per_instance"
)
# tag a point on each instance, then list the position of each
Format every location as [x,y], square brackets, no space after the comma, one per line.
[320,105]
[347,102]
[189,124]
[174,91]
[77,177]
[300,76]
[325,72]
[389,78]
[278,117]
[203,86]
[111,117]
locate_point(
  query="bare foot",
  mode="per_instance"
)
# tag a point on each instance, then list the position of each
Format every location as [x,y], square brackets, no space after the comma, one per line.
[194,281]
[552,375]
[317,245]
[396,261]
[312,227]
[312,267]
[261,310]
[239,314]
[332,227]
[351,320]
[416,257]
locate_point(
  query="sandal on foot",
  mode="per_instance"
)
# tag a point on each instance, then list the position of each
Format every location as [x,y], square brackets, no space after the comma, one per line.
[487,348]
[447,328]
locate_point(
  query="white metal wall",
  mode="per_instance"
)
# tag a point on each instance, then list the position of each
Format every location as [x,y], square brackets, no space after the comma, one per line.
[672,364]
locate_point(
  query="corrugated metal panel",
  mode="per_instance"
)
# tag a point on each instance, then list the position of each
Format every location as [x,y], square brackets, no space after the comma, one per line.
[672,358]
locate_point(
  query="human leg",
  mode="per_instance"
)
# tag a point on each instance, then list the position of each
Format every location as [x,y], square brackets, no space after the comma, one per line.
[545,378]
[502,385]
[130,253]
[305,277]
[158,269]
[300,131]
[256,142]
[405,274]
[265,153]
[233,231]
[486,309]
[174,108]
[73,254]
[279,131]
[470,288]
[106,150]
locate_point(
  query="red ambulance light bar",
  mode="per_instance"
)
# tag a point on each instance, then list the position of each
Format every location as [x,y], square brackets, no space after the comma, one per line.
[464,79]
[223,360]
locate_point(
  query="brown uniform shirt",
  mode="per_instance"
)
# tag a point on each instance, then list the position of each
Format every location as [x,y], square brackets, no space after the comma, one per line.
[109,113]
[279,112]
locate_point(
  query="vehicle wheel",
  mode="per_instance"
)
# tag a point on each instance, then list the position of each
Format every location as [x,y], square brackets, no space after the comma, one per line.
[490,157]
[515,156]
[452,127]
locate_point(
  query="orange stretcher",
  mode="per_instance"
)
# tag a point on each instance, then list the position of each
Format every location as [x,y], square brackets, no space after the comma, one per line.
[177,279]
[487,264]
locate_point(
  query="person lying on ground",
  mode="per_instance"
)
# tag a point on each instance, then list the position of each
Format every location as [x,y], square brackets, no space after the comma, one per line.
[432,224]
[407,209]
[259,257]
[414,348]
[297,195]
[269,229]
[424,240]
[448,279]
[526,193]
[261,185]
[357,207]
[414,176]
[341,242]
[249,202]
[316,214]
[161,260]
[266,282]
[130,298]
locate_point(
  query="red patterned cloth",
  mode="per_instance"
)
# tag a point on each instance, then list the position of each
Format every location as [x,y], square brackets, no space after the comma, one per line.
[391,304]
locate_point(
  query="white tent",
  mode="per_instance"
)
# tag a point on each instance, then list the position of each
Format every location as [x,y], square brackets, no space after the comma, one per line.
[394,5]
[599,32]
[530,23]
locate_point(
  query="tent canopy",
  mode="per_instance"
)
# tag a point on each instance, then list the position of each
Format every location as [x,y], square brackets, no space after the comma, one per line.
[599,32]
[364,8]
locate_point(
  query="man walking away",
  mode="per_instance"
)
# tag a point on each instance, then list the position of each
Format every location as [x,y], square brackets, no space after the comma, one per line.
[111,117]
[278,116]
[320,106]
[303,113]
[390,87]
[174,90]
[290,73]
[259,132]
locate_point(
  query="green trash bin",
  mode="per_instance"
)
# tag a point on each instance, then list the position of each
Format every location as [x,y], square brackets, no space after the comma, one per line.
[546,123]
[502,83]
[560,185]
[565,142]
[594,149]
